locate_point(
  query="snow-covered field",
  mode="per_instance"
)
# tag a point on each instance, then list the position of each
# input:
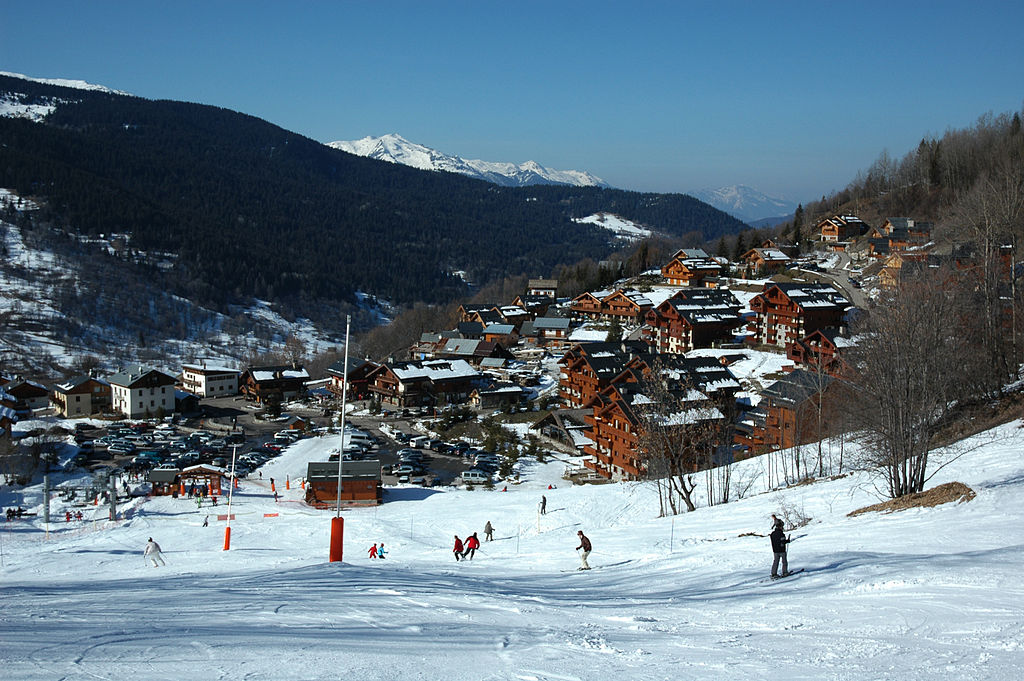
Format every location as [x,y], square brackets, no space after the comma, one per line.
[931,593]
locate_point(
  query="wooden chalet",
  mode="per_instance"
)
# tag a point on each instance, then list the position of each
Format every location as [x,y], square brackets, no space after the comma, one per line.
[618,304]
[28,395]
[430,383]
[360,483]
[690,267]
[543,287]
[497,395]
[473,351]
[898,234]
[505,334]
[546,331]
[274,383]
[765,261]
[838,230]
[785,313]
[536,305]
[467,311]
[820,348]
[787,415]
[588,368]
[692,318]
[81,396]
[358,378]
[617,422]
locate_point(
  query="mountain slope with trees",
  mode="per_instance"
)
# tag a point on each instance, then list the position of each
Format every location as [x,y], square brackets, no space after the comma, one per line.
[248,209]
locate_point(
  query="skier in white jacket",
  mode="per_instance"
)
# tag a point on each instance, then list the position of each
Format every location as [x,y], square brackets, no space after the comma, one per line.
[153,553]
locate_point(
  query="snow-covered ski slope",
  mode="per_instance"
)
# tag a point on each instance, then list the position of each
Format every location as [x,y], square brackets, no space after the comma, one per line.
[931,593]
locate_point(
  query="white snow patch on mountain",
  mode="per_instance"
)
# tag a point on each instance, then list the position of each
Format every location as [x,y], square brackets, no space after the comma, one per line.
[64,82]
[396,149]
[620,227]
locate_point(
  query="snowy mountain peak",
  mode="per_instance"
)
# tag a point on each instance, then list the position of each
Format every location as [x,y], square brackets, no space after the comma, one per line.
[746,203]
[63,82]
[394,148]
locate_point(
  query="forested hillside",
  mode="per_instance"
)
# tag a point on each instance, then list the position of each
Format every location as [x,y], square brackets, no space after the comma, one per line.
[246,208]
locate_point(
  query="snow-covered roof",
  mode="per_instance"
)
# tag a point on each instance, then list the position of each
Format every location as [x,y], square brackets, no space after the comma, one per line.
[435,370]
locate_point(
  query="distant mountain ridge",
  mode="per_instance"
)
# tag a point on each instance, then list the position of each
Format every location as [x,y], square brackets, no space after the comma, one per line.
[396,149]
[748,204]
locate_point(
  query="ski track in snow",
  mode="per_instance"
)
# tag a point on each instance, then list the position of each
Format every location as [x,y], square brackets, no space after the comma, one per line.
[922,594]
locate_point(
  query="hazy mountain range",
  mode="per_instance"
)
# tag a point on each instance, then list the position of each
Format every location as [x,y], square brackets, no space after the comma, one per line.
[748,204]
[397,149]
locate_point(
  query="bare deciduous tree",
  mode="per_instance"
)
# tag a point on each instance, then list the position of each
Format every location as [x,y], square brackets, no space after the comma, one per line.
[911,366]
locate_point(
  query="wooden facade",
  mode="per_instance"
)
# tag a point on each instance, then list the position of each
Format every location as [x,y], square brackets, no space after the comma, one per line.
[360,483]
[359,371]
[619,304]
[274,383]
[588,368]
[431,383]
[820,348]
[785,313]
[694,318]
[764,261]
[683,270]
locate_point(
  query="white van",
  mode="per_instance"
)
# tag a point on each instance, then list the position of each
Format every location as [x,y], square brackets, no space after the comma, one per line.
[419,442]
[473,477]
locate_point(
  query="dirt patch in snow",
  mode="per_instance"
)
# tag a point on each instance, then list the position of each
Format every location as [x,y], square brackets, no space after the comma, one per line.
[943,494]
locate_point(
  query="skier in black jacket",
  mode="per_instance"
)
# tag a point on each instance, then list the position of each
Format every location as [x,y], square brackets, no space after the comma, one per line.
[779,541]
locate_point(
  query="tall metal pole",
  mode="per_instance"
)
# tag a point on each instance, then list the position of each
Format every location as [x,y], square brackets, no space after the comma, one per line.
[231,491]
[338,523]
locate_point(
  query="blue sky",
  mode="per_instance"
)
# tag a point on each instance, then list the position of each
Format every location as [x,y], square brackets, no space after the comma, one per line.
[791,98]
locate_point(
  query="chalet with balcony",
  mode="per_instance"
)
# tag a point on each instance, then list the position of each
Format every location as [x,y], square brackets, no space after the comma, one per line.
[358,378]
[838,230]
[536,305]
[898,234]
[431,383]
[28,396]
[617,304]
[81,396]
[621,412]
[820,348]
[766,261]
[142,392]
[274,384]
[785,313]
[788,414]
[692,318]
[690,267]
[588,368]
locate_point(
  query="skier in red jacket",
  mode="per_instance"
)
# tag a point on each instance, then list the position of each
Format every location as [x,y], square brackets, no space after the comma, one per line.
[458,548]
[472,544]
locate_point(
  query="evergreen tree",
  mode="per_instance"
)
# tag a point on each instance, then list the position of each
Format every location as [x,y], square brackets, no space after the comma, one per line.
[738,248]
[798,224]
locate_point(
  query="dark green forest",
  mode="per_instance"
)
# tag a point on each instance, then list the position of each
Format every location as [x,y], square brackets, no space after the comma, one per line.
[253,210]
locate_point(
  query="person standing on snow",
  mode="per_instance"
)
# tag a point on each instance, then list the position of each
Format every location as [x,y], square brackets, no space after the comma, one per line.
[380,550]
[472,544]
[458,549]
[153,553]
[779,541]
[586,546]
[488,531]
[373,552]
[543,505]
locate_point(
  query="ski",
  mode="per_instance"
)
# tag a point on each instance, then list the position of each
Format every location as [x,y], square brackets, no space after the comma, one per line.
[788,574]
